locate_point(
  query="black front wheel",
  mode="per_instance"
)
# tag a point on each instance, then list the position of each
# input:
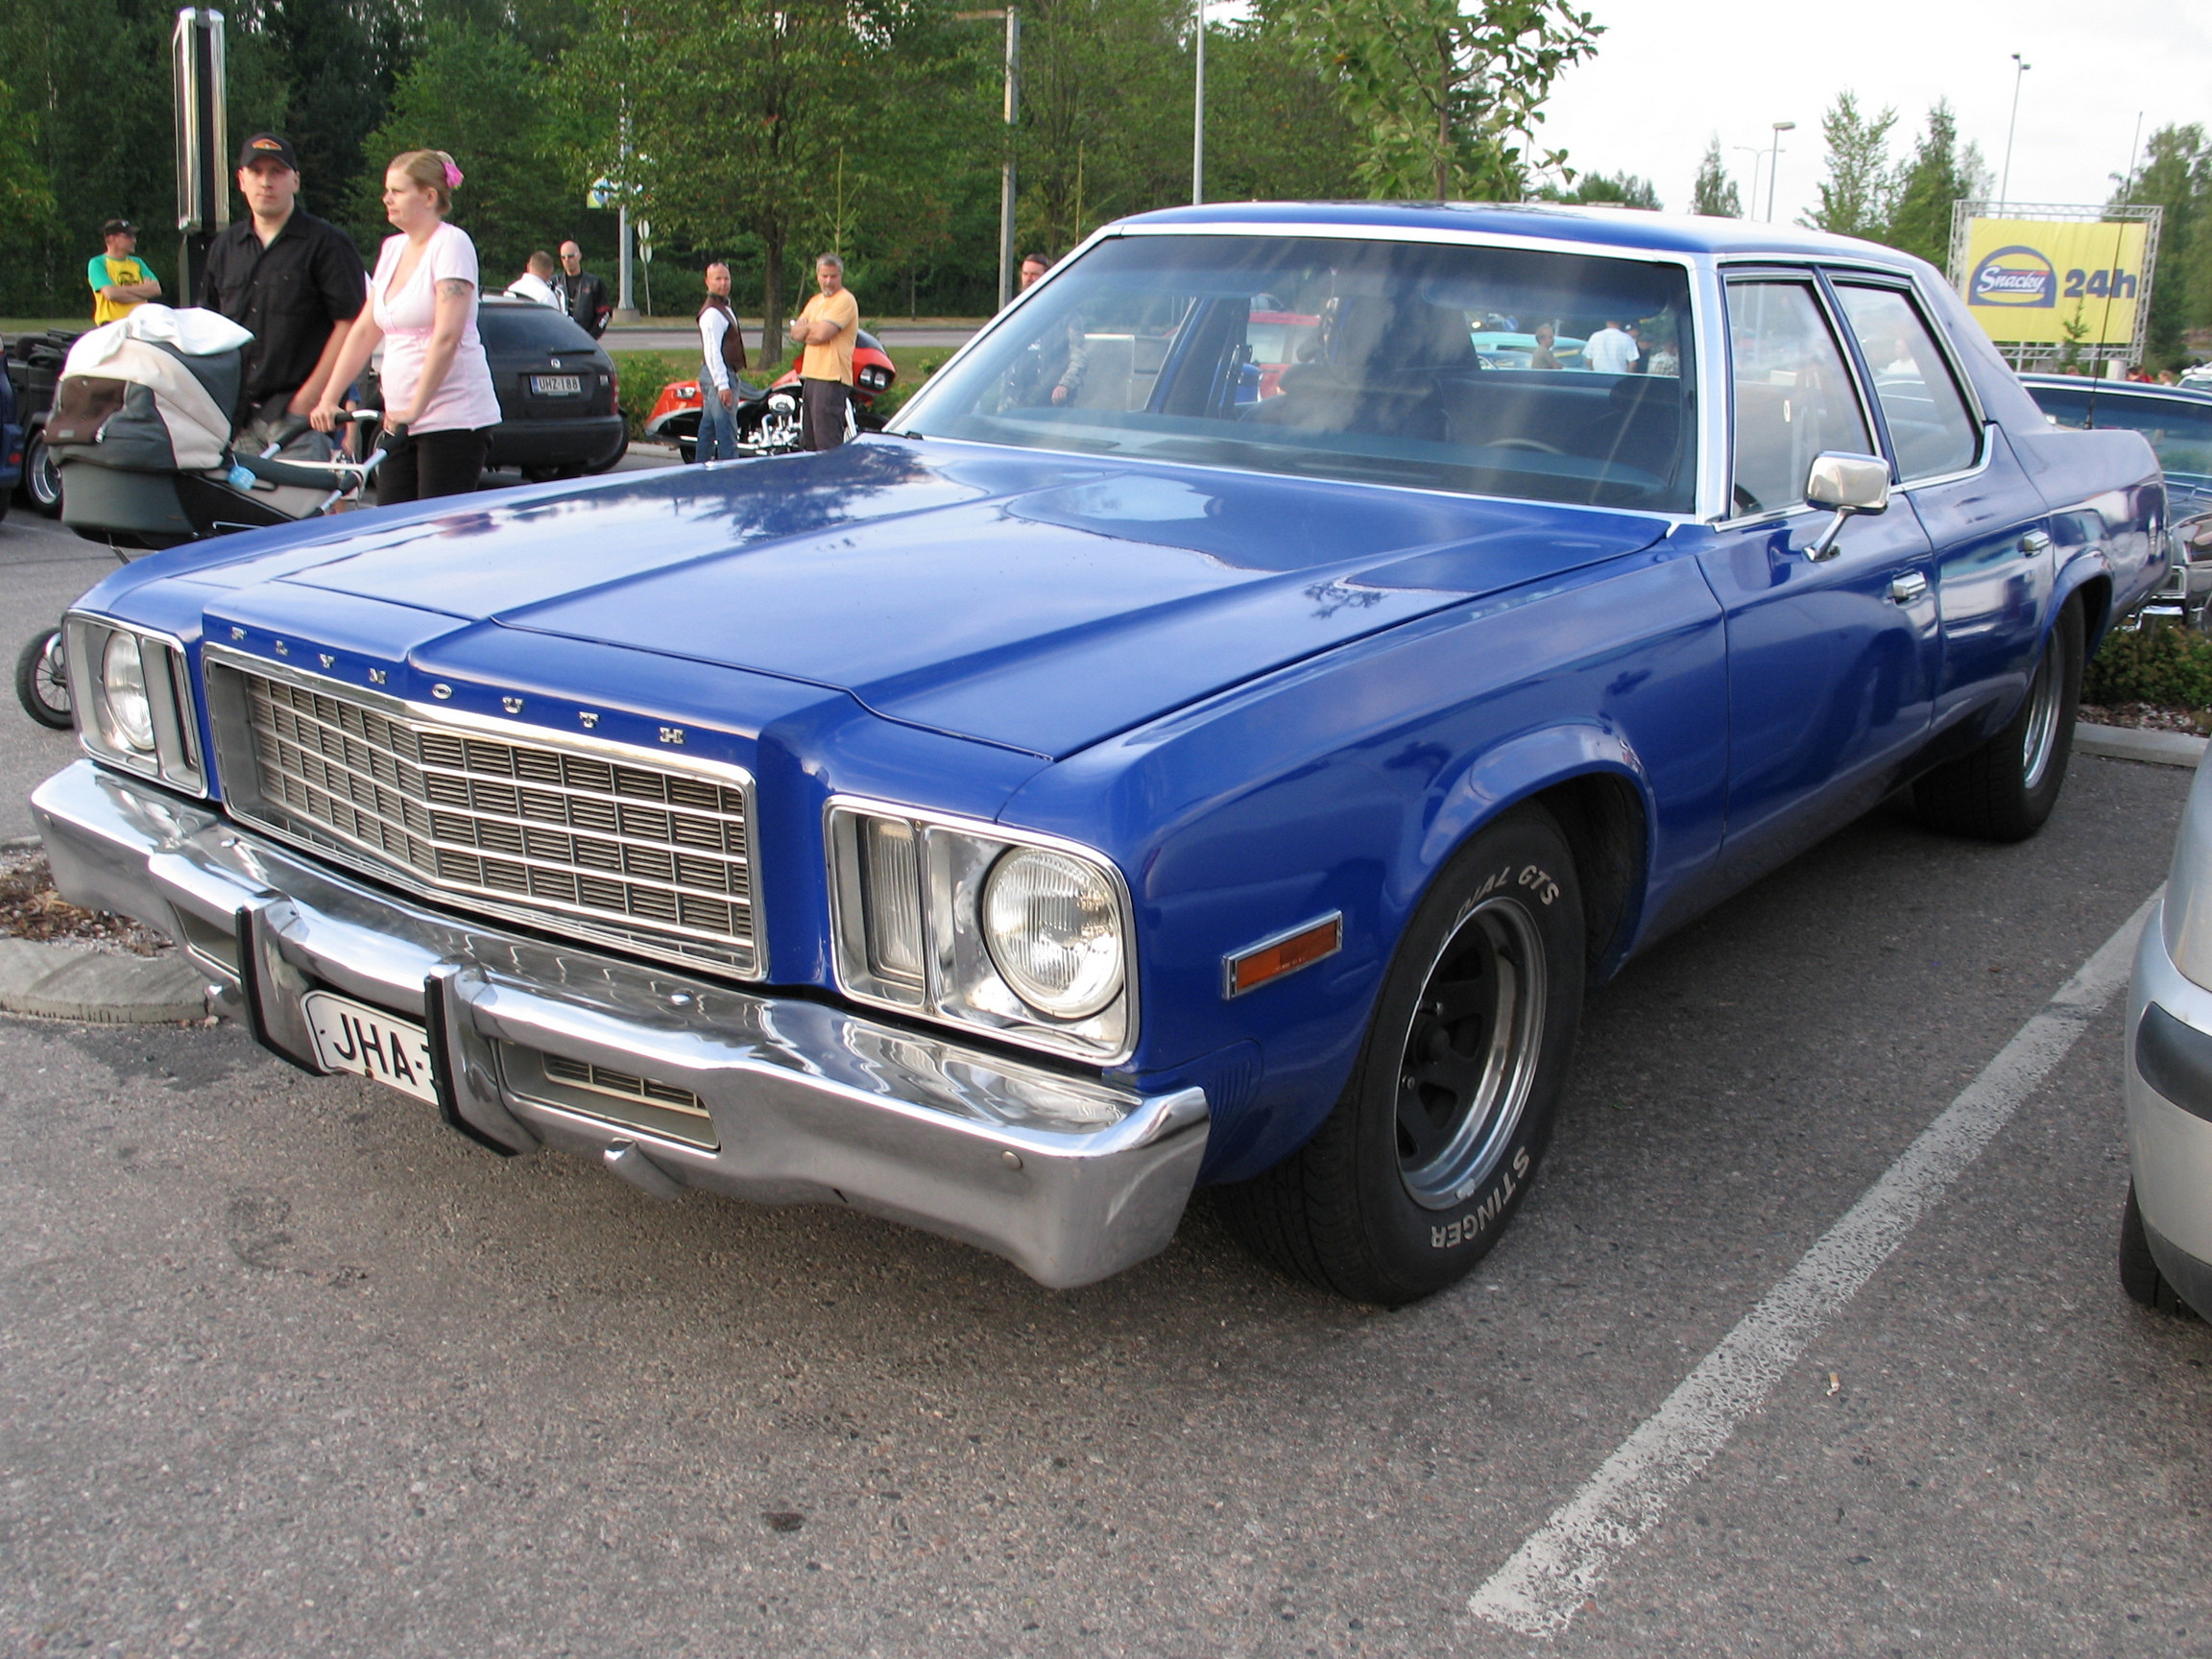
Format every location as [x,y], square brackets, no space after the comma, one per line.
[2004,791]
[1418,1170]
[42,682]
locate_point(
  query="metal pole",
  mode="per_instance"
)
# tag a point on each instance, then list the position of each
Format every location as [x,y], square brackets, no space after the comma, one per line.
[2004,183]
[624,310]
[1006,176]
[1774,167]
[1198,118]
[2134,149]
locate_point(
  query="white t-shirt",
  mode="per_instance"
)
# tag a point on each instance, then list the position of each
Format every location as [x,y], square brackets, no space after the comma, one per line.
[533,287]
[465,400]
[1610,352]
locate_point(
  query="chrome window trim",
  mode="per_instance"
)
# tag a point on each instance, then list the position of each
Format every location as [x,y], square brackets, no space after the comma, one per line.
[180,719]
[658,943]
[1705,302]
[982,829]
[1960,382]
[1773,271]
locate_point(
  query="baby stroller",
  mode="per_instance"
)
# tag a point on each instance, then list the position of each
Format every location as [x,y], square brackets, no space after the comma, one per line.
[141,432]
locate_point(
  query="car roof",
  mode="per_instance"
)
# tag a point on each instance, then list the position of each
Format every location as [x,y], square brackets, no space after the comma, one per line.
[1599,228]
[2188,394]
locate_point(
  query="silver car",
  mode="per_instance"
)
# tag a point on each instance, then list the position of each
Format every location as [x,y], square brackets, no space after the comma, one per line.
[2166,1232]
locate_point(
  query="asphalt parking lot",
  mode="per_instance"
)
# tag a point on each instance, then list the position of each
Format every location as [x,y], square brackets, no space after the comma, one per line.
[289,1369]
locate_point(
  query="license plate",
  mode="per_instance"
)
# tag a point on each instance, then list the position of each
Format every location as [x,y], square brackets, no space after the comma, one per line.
[556,385]
[353,1037]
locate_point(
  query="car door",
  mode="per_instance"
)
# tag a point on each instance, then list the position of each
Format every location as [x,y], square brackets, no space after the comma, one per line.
[1832,663]
[1991,535]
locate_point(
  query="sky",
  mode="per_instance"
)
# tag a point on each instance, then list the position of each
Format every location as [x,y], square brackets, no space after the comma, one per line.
[1669,74]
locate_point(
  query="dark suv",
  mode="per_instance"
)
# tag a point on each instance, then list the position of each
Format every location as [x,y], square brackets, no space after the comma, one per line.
[558,416]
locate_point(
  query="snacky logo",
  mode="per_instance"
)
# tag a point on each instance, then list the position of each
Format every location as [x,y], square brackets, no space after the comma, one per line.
[2015,275]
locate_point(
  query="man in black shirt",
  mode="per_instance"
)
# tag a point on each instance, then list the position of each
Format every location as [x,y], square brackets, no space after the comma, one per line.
[291,278]
[583,295]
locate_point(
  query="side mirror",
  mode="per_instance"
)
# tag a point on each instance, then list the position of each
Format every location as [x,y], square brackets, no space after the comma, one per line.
[1851,484]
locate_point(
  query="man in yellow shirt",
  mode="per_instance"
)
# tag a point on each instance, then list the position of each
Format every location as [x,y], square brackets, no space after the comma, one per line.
[827,326]
[121,281]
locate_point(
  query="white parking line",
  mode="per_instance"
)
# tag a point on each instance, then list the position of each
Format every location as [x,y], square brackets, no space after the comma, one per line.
[1556,1567]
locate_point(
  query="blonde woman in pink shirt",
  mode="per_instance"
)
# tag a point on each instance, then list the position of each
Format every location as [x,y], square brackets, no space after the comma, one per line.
[439,404]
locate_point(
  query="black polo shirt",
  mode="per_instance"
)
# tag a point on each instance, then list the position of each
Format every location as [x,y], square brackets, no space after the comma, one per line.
[290,293]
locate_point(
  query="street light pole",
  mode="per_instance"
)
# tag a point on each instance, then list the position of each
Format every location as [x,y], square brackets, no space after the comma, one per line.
[1774,165]
[1198,118]
[2004,184]
[1006,171]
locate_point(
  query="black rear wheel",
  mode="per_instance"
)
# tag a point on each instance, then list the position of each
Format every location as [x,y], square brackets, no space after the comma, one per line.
[41,477]
[41,683]
[1418,1171]
[2005,789]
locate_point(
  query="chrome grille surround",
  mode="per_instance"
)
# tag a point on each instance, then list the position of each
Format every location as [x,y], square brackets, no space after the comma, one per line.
[590,838]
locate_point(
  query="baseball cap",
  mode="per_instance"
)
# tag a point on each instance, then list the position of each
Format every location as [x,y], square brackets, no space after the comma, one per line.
[118,227]
[267,147]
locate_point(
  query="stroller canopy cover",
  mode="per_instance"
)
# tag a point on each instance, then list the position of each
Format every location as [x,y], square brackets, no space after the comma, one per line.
[150,392]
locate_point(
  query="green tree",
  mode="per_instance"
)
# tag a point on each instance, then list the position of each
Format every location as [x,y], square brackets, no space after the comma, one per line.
[1937,177]
[1857,196]
[2177,174]
[1623,188]
[1447,100]
[1715,194]
[481,97]
[790,122]
[1273,131]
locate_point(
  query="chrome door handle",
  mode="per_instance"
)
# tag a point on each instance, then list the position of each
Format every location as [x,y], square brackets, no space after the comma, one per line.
[1906,589]
[2035,541]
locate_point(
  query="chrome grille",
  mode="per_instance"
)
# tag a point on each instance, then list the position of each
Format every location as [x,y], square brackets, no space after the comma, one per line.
[528,826]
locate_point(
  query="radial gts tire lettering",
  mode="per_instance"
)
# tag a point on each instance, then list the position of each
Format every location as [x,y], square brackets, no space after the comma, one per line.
[1419,1169]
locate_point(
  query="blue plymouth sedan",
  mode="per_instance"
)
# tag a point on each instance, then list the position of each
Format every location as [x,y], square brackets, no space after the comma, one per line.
[1107,782]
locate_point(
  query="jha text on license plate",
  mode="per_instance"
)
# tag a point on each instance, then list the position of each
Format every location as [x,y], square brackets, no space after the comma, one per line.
[353,1037]
[556,385]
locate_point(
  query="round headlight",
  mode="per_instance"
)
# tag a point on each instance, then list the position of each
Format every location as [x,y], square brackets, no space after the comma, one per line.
[126,717]
[1054,931]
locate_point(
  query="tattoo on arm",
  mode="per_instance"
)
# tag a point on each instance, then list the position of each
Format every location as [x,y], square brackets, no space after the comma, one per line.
[455,288]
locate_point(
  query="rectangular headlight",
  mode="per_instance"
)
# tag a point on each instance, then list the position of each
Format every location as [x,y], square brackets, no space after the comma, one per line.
[1025,937]
[133,693]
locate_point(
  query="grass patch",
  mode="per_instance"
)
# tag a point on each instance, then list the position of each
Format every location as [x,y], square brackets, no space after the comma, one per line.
[14,325]
[2160,664]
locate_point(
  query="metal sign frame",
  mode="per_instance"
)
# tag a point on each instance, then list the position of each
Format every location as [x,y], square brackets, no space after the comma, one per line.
[2027,354]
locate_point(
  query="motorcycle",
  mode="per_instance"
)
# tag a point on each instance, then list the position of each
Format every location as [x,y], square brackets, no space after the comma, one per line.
[772,419]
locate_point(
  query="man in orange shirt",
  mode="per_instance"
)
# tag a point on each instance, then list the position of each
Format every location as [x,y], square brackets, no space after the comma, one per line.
[827,326]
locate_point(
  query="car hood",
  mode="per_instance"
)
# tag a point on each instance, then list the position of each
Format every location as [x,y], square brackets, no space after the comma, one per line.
[1039,602]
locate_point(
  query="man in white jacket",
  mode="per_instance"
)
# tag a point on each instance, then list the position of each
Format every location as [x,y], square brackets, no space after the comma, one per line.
[536,283]
[722,359]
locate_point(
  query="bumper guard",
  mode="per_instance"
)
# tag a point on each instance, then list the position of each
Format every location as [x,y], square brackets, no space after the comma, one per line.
[1070,1178]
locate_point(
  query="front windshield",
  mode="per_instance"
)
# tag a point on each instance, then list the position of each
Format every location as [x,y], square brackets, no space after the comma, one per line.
[1492,370]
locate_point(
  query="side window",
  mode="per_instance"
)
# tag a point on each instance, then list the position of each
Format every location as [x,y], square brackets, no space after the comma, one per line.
[1929,421]
[1793,393]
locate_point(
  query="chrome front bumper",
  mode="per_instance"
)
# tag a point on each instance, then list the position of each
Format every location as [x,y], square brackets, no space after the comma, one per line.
[1068,1177]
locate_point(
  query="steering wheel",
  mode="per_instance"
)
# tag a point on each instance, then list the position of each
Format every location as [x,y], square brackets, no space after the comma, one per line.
[1538,445]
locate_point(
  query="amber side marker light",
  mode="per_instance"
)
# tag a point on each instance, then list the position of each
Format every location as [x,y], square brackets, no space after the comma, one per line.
[1256,965]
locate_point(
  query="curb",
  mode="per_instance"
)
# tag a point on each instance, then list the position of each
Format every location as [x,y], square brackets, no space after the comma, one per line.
[2129,743]
[71,983]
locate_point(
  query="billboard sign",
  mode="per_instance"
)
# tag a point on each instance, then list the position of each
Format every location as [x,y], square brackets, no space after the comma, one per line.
[2048,281]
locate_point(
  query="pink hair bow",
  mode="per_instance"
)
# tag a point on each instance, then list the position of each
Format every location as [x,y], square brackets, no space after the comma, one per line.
[452,176]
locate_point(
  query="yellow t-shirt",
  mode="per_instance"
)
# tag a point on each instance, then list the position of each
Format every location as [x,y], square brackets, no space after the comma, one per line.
[834,360]
[105,269]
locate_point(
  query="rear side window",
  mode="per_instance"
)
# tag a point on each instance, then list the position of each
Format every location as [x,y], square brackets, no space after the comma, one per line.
[1794,394]
[528,327]
[1928,419]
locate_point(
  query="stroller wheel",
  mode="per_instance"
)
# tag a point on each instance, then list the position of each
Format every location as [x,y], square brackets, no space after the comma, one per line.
[42,686]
